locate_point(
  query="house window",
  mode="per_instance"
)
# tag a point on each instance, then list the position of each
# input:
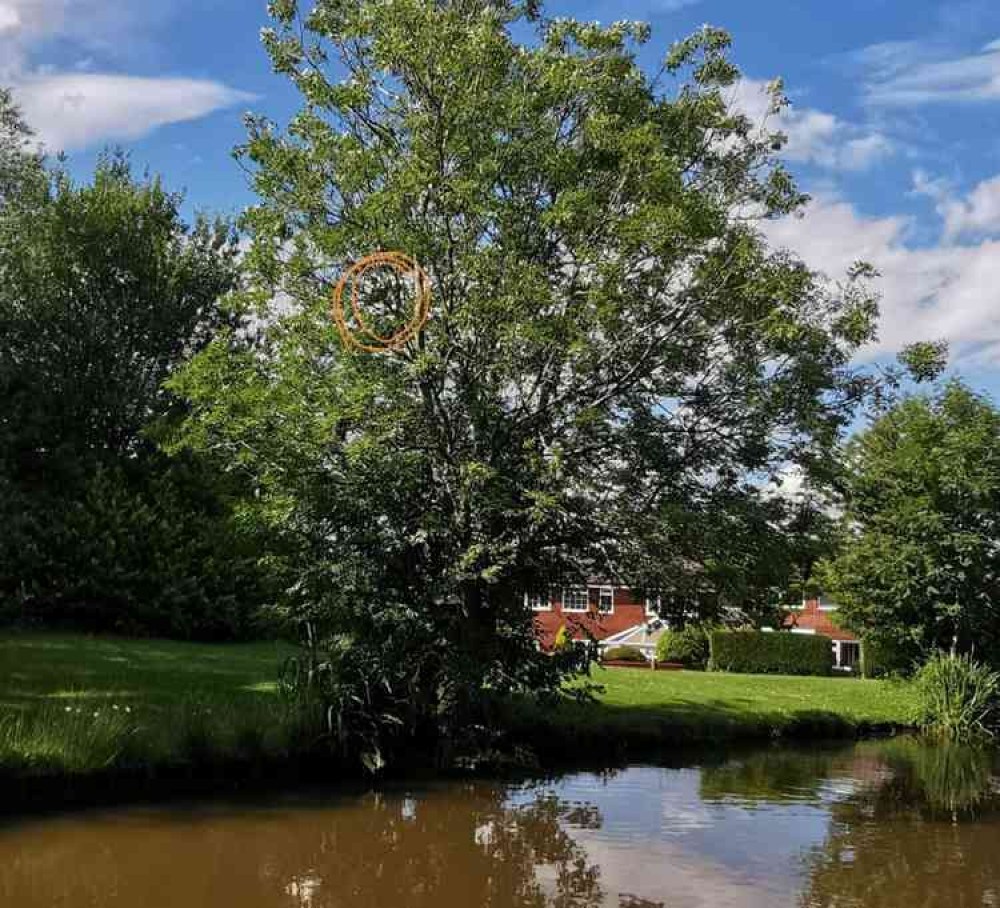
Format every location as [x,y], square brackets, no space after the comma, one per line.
[603,598]
[538,602]
[847,654]
[574,599]
[653,607]
[826,605]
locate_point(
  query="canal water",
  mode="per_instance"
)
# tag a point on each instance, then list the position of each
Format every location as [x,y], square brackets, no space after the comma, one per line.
[890,824]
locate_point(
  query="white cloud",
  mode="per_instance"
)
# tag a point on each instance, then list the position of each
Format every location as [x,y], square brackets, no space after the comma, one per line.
[9,18]
[814,136]
[71,111]
[911,74]
[74,109]
[950,291]
[977,215]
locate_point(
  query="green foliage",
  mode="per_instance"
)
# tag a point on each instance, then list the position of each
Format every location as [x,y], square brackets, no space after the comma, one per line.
[919,566]
[760,652]
[592,291]
[881,659]
[562,639]
[105,293]
[960,698]
[152,553]
[688,646]
[22,172]
[624,654]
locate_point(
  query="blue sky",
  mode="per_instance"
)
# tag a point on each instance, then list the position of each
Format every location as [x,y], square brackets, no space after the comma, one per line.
[893,128]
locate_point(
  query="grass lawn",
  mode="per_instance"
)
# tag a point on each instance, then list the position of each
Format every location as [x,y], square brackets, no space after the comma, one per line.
[80,670]
[72,703]
[762,697]
[645,709]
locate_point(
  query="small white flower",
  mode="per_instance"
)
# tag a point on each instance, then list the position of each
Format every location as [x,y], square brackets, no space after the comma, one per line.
[68,709]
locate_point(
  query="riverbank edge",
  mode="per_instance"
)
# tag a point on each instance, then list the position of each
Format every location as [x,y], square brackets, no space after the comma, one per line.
[518,750]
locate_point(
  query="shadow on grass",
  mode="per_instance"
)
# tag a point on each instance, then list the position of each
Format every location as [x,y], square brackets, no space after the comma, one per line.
[601,728]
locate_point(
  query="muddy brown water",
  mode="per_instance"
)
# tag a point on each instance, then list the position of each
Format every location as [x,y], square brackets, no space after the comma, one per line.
[891,824]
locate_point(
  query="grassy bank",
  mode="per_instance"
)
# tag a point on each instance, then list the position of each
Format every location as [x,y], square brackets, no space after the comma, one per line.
[73,705]
[640,709]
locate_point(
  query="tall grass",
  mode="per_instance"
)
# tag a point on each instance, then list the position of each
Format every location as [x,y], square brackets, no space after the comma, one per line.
[959,699]
[199,730]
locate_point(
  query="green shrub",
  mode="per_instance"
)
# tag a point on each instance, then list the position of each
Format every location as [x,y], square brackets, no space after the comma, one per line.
[623,654]
[141,553]
[562,639]
[779,653]
[880,659]
[688,647]
[959,698]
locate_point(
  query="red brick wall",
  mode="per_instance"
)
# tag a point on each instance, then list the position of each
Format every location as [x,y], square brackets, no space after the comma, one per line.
[628,612]
[812,617]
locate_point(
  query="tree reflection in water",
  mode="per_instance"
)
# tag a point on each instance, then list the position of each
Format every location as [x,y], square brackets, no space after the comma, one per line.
[899,825]
[926,834]
[458,846]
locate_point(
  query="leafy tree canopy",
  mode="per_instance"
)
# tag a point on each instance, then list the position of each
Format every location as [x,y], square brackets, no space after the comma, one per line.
[920,561]
[615,361]
[103,291]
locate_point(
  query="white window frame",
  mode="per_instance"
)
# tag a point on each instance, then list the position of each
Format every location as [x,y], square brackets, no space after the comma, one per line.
[838,655]
[576,590]
[654,612]
[601,590]
[538,602]
[827,606]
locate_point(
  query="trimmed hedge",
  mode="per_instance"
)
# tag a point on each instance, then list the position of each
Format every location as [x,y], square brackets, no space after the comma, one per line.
[775,653]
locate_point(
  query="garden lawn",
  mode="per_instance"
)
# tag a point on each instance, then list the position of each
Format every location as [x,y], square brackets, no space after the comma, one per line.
[72,704]
[642,709]
[79,670]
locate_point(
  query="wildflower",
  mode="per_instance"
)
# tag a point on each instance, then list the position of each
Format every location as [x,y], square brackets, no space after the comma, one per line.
[68,709]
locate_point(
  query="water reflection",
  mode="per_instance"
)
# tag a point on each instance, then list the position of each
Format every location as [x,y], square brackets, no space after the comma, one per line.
[881,825]
[459,846]
[927,835]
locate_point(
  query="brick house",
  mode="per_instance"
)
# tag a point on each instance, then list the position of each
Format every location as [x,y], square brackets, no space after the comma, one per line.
[613,614]
[819,616]
[603,610]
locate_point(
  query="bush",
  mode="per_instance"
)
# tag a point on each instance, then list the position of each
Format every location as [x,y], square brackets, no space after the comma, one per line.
[779,653]
[688,647]
[148,554]
[562,640]
[959,698]
[623,654]
[880,659]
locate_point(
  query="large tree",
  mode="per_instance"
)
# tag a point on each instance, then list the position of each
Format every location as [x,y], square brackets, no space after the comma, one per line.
[920,559]
[104,290]
[615,361]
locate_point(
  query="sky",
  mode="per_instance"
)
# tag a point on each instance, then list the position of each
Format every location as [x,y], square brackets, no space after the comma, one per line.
[893,128]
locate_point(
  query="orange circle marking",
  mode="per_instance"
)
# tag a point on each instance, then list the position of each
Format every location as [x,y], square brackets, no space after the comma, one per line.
[364,338]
